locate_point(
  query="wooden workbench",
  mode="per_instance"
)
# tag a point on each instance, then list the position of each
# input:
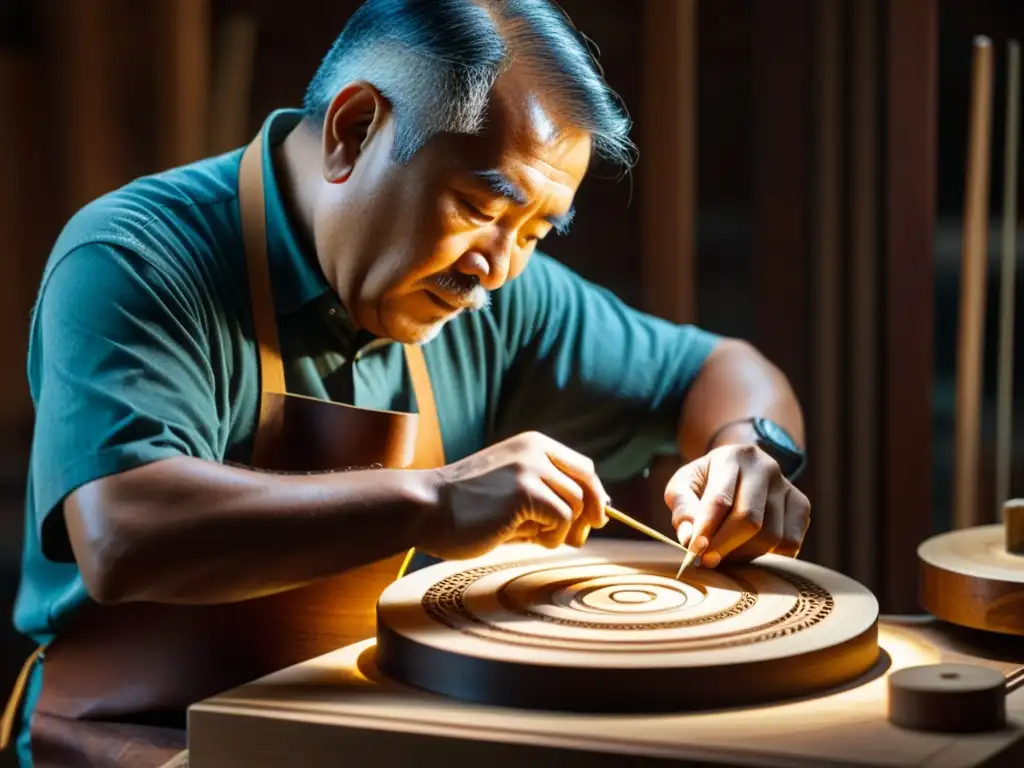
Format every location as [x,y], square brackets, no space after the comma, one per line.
[336,709]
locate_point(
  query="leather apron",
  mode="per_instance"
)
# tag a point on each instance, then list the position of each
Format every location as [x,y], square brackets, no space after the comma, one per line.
[118,680]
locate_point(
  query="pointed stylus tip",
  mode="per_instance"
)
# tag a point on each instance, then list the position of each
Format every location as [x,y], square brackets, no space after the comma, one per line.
[687,562]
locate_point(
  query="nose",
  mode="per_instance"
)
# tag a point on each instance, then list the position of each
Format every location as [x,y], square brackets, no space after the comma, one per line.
[489,263]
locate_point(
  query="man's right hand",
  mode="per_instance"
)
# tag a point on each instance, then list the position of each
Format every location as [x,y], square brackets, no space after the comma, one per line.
[187,530]
[526,488]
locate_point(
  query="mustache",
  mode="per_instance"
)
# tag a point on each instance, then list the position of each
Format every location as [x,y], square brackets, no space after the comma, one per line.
[464,288]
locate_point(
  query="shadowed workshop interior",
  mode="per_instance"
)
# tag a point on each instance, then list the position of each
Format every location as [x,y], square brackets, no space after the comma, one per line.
[800,185]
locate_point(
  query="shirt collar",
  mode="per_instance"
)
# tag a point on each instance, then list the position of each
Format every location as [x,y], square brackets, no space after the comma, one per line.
[296,274]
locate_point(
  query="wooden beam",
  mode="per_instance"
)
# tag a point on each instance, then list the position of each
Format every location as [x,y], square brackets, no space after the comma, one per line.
[82,59]
[1007,285]
[826,420]
[183,30]
[973,288]
[669,177]
[783,184]
[863,522]
[232,80]
[912,49]
[668,158]
[24,222]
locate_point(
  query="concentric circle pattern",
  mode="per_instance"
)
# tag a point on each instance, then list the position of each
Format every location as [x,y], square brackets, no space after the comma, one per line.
[615,607]
[636,606]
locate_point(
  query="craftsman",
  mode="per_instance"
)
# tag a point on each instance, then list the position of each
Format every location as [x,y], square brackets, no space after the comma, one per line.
[438,144]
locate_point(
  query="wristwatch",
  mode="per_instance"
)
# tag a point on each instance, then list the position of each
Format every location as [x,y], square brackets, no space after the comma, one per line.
[775,441]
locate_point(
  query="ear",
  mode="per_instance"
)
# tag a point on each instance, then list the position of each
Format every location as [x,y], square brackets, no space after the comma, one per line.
[353,119]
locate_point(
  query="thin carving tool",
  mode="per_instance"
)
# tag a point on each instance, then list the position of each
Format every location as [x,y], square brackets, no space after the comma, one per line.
[688,560]
[625,519]
[636,525]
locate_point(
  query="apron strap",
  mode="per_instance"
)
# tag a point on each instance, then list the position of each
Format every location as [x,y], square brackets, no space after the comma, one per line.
[264,320]
[430,447]
[14,701]
[429,444]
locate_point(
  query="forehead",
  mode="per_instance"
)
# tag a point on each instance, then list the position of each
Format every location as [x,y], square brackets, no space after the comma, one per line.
[524,136]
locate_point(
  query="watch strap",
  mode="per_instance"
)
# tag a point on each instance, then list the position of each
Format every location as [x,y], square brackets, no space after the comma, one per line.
[791,460]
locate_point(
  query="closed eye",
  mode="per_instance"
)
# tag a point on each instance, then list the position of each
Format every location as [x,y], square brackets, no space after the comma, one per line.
[473,210]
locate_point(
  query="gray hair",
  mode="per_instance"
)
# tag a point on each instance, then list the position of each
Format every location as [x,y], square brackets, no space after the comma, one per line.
[436,61]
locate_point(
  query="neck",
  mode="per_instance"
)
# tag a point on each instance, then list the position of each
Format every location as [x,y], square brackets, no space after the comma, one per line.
[296,161]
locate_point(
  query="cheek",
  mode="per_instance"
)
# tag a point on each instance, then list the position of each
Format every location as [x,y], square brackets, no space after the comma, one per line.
[432,255]
[432,241]
[520,258]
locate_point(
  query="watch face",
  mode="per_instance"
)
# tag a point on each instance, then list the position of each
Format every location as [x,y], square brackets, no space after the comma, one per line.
[781,447]
[777,434]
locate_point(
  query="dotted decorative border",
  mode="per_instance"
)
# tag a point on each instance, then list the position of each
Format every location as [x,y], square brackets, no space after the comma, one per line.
[444,602]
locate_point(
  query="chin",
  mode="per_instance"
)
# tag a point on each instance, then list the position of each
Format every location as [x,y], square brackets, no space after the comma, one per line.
[406,331]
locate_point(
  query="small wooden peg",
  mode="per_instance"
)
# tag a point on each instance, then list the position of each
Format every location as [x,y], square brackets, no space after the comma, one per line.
[1013,519]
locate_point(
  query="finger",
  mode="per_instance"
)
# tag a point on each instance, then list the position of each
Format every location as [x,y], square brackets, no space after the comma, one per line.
[527,531]
[772,529]
[798,520]
[551,513]
[716,503]
[684,532]
[581,469]
[571,492]
[578,534]
[746,518]
[684,515]
[687,483]
[681,497]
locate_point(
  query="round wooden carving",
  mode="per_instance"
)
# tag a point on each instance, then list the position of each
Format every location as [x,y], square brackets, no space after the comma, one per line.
[609,628]
[969,578]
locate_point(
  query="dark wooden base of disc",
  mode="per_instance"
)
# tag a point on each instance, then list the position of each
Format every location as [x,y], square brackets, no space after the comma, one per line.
[628,691]
[948,698]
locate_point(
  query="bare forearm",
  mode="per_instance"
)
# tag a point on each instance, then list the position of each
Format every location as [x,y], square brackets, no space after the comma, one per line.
[191,531]
[736,382]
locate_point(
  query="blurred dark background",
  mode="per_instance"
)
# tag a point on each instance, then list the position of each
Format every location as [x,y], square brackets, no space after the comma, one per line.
[800,185]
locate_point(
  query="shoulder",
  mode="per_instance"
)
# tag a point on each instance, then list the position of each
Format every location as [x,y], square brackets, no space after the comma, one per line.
[175,232]
[169,219]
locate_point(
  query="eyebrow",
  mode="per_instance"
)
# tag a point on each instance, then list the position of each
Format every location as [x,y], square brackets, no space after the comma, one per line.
[561,222]
[501,185]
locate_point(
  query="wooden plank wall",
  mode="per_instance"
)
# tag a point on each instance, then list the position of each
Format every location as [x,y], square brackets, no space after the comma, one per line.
[132,98]
[911,45]
[843,264]
[21,220]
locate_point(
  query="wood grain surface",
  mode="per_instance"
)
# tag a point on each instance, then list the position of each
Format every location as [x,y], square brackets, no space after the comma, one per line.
[968,577]
[339,704]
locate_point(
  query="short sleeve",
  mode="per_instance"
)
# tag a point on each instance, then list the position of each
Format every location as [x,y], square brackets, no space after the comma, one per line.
[119,374]
[592,372]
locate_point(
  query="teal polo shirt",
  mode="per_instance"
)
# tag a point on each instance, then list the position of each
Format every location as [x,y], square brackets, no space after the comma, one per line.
[141,348]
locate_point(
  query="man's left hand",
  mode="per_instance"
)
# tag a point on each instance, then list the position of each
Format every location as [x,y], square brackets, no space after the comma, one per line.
[735,503]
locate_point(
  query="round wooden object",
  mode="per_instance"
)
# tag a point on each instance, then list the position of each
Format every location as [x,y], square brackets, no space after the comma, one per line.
[951,698]
[968,577]
[1013,519]
[609,629]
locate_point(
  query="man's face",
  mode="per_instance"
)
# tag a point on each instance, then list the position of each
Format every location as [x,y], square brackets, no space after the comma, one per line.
[410,247]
